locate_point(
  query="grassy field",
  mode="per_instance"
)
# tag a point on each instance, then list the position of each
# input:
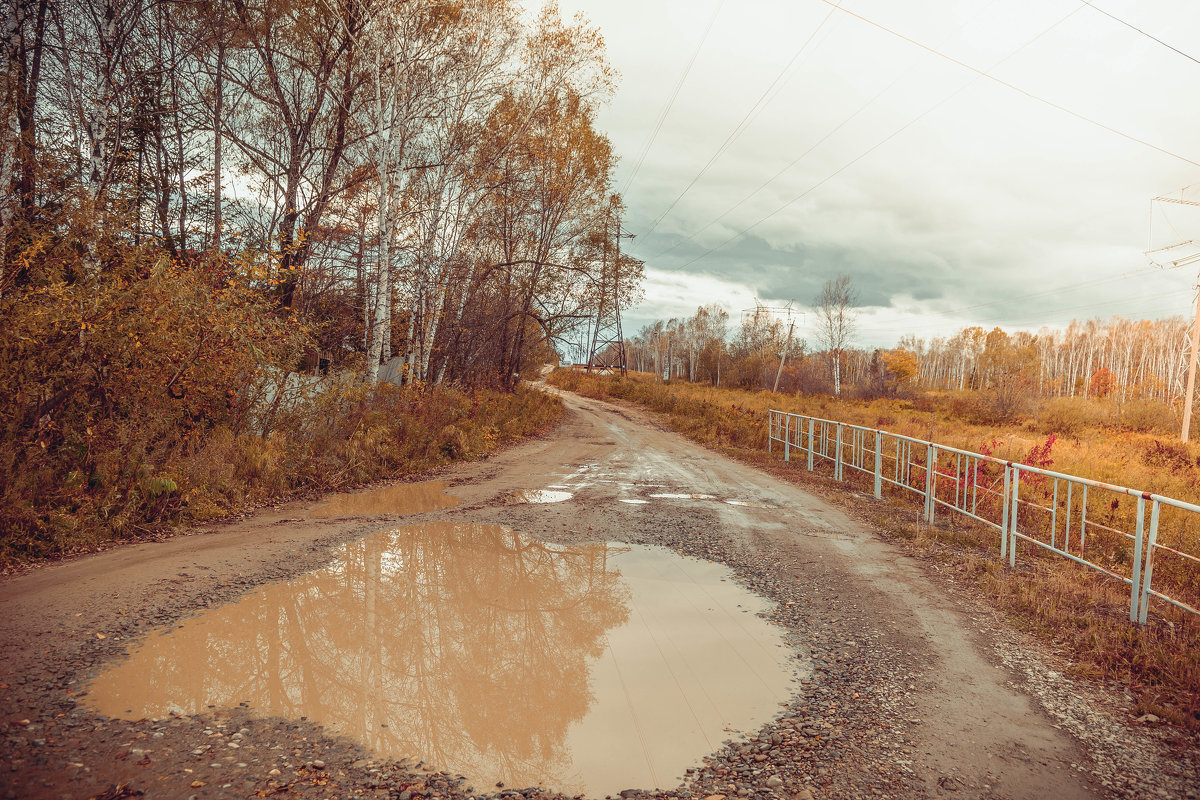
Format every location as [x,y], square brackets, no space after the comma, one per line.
[1080,613]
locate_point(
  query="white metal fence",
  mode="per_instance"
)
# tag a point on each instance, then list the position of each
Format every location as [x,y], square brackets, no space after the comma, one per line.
[1098,525]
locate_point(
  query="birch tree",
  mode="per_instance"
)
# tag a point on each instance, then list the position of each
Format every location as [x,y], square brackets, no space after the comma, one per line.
[836,323]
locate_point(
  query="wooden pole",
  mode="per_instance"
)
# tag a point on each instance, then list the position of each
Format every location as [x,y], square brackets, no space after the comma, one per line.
[783,355]
[1191,381]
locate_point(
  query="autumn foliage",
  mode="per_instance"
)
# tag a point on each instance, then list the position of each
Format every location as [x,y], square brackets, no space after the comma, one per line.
[1077,610]
[166,393]
[223,223]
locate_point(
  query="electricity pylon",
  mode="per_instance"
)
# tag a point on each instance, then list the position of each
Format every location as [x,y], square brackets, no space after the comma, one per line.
[608,341]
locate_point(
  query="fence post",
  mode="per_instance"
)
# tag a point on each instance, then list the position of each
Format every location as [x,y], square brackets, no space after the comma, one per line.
[770,431]
[837,455]
[1135,589]
[812,423]
[878,467]
[1004,513]
[787,438]
[930,485]
[1012,516]
[1148,570]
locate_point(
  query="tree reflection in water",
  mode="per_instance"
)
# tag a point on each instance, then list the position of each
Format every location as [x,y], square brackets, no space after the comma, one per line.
[464,645]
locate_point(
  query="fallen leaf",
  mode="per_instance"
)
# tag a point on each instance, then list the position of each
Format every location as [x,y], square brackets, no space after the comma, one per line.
[197,784]
[118,791]
[101,636]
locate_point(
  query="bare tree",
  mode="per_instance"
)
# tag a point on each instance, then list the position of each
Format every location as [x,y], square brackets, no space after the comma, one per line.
[836,322]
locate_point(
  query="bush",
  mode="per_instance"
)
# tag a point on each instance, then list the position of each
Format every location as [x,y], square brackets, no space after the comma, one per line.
[1067,416]
[1142,416]
[165,396]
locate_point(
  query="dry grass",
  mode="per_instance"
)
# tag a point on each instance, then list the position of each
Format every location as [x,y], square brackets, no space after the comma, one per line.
[351,434]
[1079,612]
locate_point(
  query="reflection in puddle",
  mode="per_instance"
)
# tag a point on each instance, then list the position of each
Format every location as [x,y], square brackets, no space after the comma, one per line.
[590,668]
[402,498]
[537,496]
[670,496]
[747,504]
[632,501]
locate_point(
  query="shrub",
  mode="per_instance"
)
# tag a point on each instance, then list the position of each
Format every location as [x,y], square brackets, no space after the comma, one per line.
[165,396]
[1142,416]
[1066,416]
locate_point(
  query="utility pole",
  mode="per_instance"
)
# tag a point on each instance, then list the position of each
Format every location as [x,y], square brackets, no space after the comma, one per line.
[1191,379]
[762,313]
[783,355]
[1162,257]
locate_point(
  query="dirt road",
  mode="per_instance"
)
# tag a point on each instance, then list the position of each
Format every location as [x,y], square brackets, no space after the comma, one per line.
[914,691]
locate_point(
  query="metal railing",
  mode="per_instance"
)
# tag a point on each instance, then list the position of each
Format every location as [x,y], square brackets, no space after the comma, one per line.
[1076,518]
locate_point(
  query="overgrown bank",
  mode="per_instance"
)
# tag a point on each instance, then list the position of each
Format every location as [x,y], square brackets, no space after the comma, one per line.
[350,434]
[167,398]
[1076,611]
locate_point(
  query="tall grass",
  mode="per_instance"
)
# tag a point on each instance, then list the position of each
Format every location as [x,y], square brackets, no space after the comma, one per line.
[1079,611]
[347,435]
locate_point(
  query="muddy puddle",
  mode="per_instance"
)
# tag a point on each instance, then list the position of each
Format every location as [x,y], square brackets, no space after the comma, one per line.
[584,669]
[401,498]
[537,496]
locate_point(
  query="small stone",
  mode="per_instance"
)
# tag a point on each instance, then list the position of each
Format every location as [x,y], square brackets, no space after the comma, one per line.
[715,797]
[197,784]
[318,763]
[774,782]
[275,772]
[803,794]
[1148,719]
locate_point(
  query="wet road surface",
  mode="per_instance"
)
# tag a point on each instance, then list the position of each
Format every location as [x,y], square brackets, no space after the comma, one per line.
[903,694]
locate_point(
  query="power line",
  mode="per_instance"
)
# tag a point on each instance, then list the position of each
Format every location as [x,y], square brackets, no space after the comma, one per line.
[1097,8]
[836,129]
[829,177]
[979,74]
[1014,87]
[662,117]
[743,124]
[778,174]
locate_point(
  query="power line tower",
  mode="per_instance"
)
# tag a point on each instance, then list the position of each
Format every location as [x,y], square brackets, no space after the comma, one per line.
[783,314]
[1180,254]
[608,341]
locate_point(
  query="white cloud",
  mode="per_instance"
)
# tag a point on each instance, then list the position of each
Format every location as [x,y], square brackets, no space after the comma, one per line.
[946,187]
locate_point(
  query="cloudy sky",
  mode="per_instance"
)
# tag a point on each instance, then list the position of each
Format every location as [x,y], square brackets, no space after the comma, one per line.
[966,162]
